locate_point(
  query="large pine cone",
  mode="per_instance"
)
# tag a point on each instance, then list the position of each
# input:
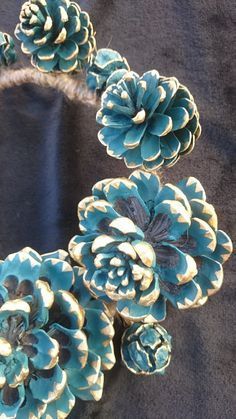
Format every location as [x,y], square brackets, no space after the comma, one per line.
[143,244]
[55,341]
[150,121]
[57,34]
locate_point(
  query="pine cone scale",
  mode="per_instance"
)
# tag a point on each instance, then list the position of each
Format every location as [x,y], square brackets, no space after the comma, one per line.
[73,26]
[68,51]
[47,53]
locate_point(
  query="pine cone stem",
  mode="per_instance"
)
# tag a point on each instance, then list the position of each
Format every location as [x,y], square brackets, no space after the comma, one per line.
[73,88]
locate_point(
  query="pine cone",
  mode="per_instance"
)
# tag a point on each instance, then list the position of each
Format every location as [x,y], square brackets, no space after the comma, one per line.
[149,121]
[52,347]
[102,66]
[57,35]
[146,349]
[7,50]
[143,243]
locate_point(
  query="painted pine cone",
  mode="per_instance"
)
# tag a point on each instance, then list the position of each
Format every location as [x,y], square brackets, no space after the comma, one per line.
[103,65]
[7,50]
[143,243]
[146,349]
[57,35]
[47,351]
[149,121]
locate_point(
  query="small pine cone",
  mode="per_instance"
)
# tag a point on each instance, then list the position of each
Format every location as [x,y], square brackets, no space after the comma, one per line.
[104,64]
[7,50]
[57,35]
[146,349]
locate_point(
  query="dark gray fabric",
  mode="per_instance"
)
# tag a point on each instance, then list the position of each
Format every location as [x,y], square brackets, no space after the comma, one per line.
[50,158]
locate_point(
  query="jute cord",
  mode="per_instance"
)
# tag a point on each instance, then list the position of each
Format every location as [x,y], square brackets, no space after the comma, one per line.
[71,86]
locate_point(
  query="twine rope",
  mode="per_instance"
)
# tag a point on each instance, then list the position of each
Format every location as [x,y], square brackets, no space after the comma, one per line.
[72,87]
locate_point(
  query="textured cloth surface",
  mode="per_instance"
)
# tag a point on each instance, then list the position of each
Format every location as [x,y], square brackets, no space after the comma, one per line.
[50,158]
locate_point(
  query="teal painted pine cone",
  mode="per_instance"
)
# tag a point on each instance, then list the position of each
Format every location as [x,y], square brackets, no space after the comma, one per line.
[57,35]
[7,50]
[52,348]
[149,121]
[146,349]
[143,243]
[103,65]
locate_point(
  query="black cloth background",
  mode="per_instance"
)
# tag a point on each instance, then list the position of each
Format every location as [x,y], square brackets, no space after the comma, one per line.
[50,158]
